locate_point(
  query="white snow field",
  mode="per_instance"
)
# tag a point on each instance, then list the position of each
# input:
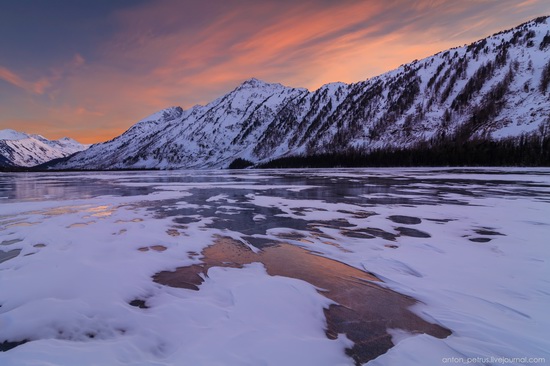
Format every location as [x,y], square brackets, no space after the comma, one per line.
[78,252]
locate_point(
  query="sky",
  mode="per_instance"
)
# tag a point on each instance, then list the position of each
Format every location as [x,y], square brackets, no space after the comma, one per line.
[90,69]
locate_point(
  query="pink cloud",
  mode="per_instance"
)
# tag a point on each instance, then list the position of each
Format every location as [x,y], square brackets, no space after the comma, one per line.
[40,86]
[15,80]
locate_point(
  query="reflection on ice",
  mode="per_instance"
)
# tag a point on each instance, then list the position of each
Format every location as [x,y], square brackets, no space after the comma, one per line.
[20,224]
[364,310]
[101,211]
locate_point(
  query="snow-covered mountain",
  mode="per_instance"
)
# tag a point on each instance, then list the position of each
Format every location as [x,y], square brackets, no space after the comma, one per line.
[493,88]
[24,150]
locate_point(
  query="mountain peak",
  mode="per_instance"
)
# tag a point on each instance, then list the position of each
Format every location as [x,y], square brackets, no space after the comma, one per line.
[9,134]
[171,113]
[254,83]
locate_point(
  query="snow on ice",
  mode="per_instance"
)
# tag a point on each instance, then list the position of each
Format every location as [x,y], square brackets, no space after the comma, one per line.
[85,247]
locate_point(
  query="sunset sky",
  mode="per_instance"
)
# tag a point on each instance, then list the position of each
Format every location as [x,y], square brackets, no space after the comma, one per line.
[91,69]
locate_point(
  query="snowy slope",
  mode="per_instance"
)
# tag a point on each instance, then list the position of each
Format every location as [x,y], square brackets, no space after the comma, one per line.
[490,89]
[20,149]
[203,136]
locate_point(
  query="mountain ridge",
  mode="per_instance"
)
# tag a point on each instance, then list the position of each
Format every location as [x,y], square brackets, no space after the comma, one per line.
[495,88]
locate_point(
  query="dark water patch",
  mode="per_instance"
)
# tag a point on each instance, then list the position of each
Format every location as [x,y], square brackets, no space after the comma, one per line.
[156,248]
[358,214]
[488,232]
[331,224]
[173,232]
[407,231]
[10,242]
[259,243]
[357,234]
[6,256]
[480,240]
[183,277]
[192,254]
[7,345]
[302,211]
[406,220]
[293,235]
[243,222]
[322,235]
[139,303]
[379,233]
[442,221]
[185,220]
[364,312]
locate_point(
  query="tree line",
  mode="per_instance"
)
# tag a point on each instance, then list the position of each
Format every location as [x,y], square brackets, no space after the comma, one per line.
[527,150]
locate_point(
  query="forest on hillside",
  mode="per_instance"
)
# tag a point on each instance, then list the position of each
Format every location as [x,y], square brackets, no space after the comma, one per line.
[527,150]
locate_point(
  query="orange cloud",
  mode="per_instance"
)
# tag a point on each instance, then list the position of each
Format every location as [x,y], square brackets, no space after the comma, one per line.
[302,44]
[15,80]
[39,86]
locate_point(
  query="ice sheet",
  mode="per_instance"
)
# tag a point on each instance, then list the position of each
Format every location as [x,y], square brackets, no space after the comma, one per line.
[471,245]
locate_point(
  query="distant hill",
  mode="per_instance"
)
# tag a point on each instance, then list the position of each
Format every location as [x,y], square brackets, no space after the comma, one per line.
[23,150]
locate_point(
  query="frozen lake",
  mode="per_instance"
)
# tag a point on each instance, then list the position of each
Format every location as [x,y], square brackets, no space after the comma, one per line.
[278,267]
